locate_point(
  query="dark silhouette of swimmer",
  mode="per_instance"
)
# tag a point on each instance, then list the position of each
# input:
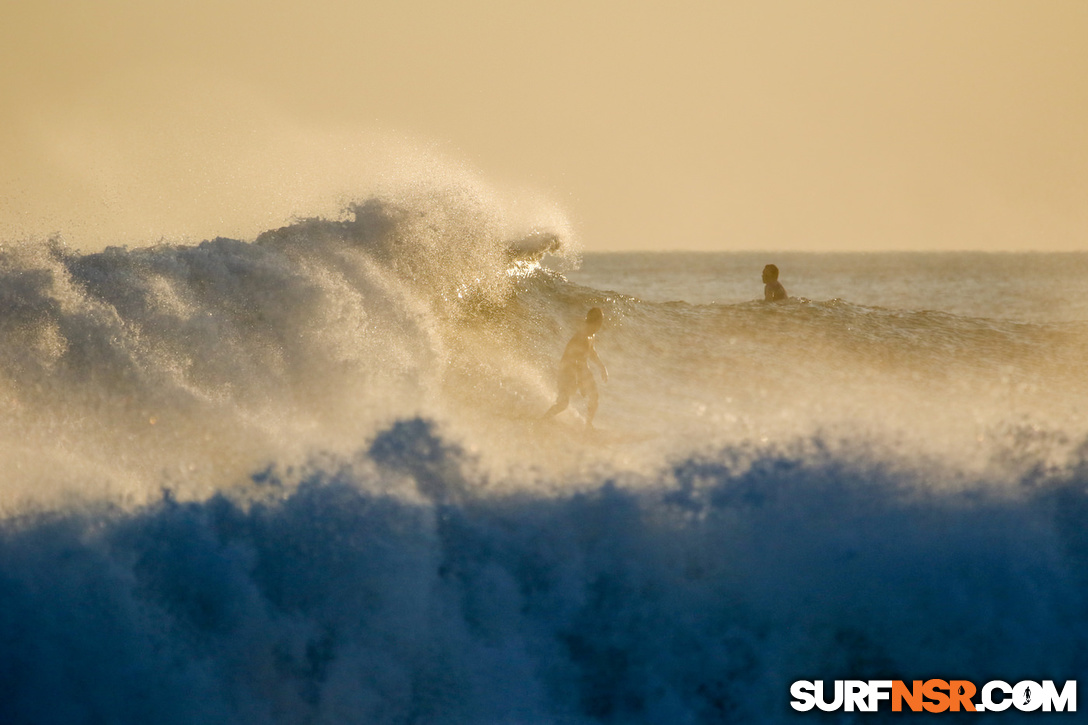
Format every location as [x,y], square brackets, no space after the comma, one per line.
[773,291]
[574,372]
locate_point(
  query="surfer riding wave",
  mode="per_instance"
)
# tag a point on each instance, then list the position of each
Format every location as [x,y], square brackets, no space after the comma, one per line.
[574,372]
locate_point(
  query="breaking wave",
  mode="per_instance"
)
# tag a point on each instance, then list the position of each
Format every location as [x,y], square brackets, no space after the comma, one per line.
[395,587]
[303,479]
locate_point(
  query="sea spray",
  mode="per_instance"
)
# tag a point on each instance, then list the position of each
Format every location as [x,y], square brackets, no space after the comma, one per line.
[305,478]
[197,362]
[394,586]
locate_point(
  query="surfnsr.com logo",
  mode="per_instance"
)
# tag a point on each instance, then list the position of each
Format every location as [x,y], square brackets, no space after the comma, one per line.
[934,696]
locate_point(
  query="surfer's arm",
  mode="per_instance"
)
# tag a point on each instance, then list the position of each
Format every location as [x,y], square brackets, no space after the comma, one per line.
[595,358]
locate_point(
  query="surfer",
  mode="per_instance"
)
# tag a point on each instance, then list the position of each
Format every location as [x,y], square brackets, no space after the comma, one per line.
[773,291]
[574,372]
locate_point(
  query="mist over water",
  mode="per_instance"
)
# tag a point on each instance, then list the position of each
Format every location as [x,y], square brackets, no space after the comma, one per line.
[302,478]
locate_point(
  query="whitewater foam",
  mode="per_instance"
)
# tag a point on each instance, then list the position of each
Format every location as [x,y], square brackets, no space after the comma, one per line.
[341,596]
[304,479]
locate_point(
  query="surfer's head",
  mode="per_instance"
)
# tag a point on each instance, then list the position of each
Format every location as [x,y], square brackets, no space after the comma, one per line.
[595,318]
[770,274]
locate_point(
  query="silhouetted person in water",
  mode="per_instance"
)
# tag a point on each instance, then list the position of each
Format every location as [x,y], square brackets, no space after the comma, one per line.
[773,291]
[574,372]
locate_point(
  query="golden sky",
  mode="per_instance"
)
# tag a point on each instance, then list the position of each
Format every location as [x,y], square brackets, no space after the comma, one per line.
[839,125]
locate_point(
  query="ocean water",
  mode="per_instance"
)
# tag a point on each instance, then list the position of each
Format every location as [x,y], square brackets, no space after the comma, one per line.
[304,479]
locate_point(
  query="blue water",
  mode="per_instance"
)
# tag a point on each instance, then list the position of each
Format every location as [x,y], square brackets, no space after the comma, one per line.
[302,479]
